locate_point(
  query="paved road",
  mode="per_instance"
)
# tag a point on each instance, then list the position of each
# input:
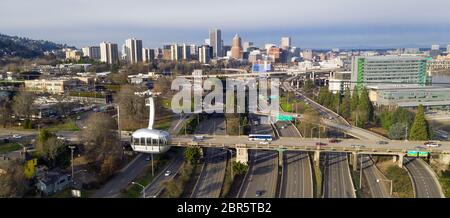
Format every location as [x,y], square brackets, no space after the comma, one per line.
[210,181]
[297,176]
[337,182]
[262,175]
[155,188]
[380,189]
[424,181]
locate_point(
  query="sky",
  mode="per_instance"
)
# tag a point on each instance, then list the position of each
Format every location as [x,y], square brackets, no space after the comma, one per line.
[310,23]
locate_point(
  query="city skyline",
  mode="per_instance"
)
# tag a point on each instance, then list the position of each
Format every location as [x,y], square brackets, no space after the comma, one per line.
[322,24]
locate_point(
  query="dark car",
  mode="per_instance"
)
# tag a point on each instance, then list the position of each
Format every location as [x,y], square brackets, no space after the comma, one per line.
[333,140]
[383,142]
[321,144]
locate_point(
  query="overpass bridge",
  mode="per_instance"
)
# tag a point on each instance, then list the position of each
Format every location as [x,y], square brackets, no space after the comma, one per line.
[396,148]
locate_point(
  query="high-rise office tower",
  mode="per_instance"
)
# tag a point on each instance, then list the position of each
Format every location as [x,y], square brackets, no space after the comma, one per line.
[193,49]
[236,47]
[435,47]
[133,50]
[93,52]
[148,55]
[109,53]
[186,52]
[307,54]
[176,52]
[205,53]
[215,41]
[448,48]
[285,43]
[247,45]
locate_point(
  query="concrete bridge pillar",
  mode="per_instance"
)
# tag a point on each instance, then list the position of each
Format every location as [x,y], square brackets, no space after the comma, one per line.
[317,158]
[400,160]
[292,83]
[242,153]
[298,84]
[394,159]
[280,158]
[354,161]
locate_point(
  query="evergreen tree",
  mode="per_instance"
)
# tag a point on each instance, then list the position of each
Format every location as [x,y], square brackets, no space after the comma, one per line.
[419,129]
[365,107]
[345,109]
[354,100]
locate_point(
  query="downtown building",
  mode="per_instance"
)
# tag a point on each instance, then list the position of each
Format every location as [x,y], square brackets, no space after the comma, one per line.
[109,53]
[133,50]
[236,48]
[285,43]
[205,54]
[215,41]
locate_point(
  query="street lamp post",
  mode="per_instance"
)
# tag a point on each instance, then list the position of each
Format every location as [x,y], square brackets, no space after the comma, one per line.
[143,188]
[390,182]
[360,171]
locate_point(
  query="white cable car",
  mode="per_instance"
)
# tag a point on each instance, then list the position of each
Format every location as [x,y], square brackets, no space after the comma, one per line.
[149,140]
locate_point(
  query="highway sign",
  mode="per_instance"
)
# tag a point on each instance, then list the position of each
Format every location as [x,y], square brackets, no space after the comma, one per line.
[284,118]
[412,153]
[423,153]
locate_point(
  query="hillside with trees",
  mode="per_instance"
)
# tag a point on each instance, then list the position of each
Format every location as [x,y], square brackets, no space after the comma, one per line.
[14,46]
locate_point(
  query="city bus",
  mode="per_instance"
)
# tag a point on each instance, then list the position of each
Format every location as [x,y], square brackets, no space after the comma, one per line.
[259,137]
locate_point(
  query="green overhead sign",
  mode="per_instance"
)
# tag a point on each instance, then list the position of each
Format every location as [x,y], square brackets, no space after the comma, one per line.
[417,153]
[285,118]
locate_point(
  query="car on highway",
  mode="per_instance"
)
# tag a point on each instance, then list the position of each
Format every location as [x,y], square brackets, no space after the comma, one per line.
[358,146]
[147,158]
[78,118]
[16,136]
[198,138]
[432,144]
[334,140]
[167,173]
[60,137]
[321,144]
[264,142]
[259,193]
[383,142]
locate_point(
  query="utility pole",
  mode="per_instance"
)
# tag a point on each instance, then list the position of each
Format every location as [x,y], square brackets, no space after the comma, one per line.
[406,132]
[118,123]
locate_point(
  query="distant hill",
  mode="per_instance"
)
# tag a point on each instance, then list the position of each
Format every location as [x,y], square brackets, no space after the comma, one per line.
[25,47]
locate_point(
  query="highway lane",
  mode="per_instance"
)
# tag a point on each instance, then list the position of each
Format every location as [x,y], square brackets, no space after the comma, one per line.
[210,180]
[371,173]
[297,176]
[262,175]
[155,188]
[337,182]
[425,183]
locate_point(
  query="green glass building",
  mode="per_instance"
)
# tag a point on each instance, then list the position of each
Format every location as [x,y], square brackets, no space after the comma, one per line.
[376,70]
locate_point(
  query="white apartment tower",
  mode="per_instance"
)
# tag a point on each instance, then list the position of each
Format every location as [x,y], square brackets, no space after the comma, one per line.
[109,53]
[133,50]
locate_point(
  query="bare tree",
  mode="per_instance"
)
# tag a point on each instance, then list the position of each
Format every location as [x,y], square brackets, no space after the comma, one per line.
[23,104]
[102,145]
[133,111]
[12,180]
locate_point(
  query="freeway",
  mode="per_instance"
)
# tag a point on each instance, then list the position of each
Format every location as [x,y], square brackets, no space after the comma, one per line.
[337,180]
[377,182]
[209,183]
[262,175]
[155,188]
[297,176]
[424,180]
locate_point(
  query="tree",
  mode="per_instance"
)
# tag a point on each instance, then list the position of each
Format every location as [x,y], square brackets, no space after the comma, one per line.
[365,108]
[239,168]
[192,154]
[5,112]
[48,146]
[102,146]
[397,131]
[345,107]
[419,130]
[12,180]
[308,87]
[23,104]
[133,111]
[354,100]
[163,85]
